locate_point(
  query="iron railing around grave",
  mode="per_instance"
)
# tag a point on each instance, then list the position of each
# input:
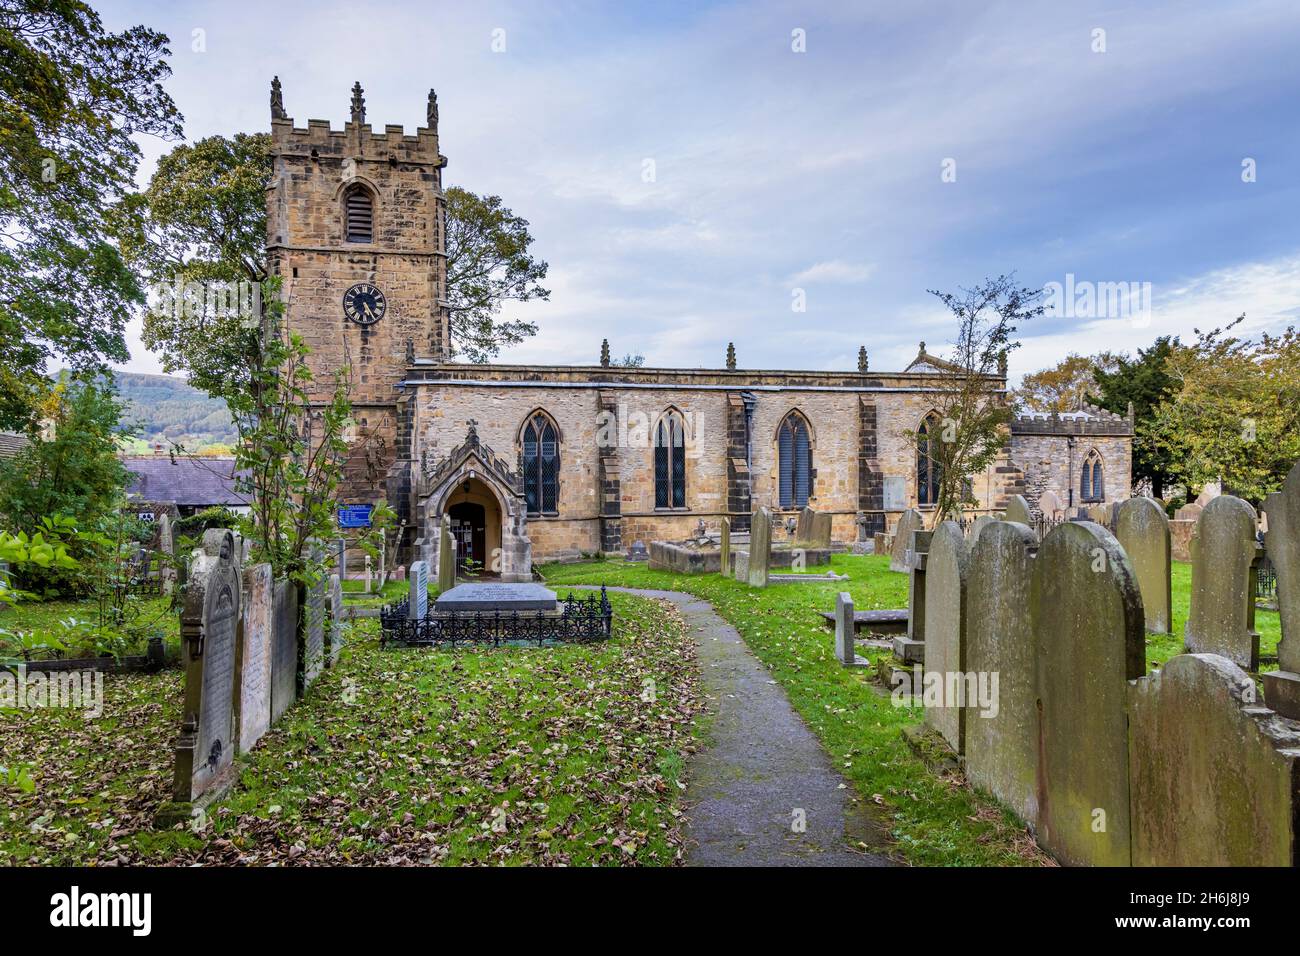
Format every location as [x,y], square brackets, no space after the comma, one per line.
[1266,581]
[579,621]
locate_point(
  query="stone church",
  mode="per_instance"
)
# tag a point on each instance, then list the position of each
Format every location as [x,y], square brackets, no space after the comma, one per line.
[535,463]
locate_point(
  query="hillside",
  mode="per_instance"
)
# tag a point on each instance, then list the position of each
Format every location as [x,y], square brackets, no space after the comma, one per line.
[163,408]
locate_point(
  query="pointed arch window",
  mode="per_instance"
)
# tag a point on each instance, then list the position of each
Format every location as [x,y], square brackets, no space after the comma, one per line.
[1092,484]
[929,470]
[670,462]
[359,214]
[794,462]
[541,449]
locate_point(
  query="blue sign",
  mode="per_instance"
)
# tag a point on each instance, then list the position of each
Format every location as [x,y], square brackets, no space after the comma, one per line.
[354,516]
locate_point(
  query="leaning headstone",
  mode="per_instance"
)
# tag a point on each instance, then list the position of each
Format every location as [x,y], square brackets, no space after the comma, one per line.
[253,662]
[760,548]
[209,625]
[418,604]
[1282,542]
[1224,556]
[334,631]
[813,530]
[1018,510]
[1213,775]
[284,649]
[167,555]
[1002,743]
[1142,529]
[1090,641]
[446,557]
[947,567]
[1050,506]
[725,545]
[312,645]
[910,521]
[844,633]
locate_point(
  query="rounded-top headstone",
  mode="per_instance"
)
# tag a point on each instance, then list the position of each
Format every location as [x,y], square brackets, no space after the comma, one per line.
[1142,529]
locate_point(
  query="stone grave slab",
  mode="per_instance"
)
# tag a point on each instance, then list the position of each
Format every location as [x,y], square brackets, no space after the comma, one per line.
[496,597]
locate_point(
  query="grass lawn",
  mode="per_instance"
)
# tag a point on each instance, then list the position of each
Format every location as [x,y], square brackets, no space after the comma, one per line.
[510,755]
[933,819]
[30,622]
[1161,647]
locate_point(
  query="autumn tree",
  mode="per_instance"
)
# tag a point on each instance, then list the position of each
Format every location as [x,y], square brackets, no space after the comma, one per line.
[1065,386]
[972,417]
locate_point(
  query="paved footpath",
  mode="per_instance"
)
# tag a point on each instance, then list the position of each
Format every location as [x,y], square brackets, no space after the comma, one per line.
[759,764]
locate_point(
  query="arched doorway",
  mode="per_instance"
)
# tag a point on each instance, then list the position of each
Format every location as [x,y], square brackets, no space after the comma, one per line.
[475,517]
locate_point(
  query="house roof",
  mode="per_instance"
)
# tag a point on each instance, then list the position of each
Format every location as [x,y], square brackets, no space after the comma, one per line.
[11,443]
[193,482]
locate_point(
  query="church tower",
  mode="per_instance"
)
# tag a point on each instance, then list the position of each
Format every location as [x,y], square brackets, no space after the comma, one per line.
[356,226]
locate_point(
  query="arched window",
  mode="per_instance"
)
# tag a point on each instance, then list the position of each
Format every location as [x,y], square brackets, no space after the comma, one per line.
[541,445]
[670,462]
[359,214]
[929,470]
[794,462]
[1092,485]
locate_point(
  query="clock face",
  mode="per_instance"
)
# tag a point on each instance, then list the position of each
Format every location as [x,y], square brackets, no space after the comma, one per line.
[364,304]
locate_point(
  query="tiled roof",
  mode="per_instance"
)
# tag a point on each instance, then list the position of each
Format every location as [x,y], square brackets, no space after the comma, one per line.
[196,482]
[11,443]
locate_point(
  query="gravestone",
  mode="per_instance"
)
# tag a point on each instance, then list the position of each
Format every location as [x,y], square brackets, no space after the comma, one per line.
[638,552]
[1188,512]
[1224,556]
[917,556]
[1090,640]
[253,662]
[1002,747]
[209,625]
[341,555]
[894,496]
[368,573]
[741,566]
[910,521]
[947,567]
[844,632]
[166,555]
[1212,774]
[760,548]
[980,523]
[312,645]
[334,634]
[418,604]
[725,545]
[496,597]
[284,649]
[813,529]
[446,557]
[1050,506]
[1018,510]
[1282,542]
[1142,530]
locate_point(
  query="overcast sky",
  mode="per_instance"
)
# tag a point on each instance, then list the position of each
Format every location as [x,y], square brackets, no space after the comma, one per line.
[910,146]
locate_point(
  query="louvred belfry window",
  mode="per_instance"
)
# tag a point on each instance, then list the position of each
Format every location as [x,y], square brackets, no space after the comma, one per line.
[670,462]
[359,208]
[794,462]
[929,471]
[541,465]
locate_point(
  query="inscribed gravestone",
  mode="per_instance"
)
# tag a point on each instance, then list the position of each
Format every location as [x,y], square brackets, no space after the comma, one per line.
[1002,747]
[725,545]
[741,562]
[1090,640]
[909,522]
[1018,510]
[1050,506]
[813,529]
[312,645]
[166,555]
[446,557]
[945,628]
[209,625]
[253,671]
[284,649]
[1282,542]
[1143,532]
[760,548]
[418,604]
[1212,775]
[1224,552]
[334,634]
